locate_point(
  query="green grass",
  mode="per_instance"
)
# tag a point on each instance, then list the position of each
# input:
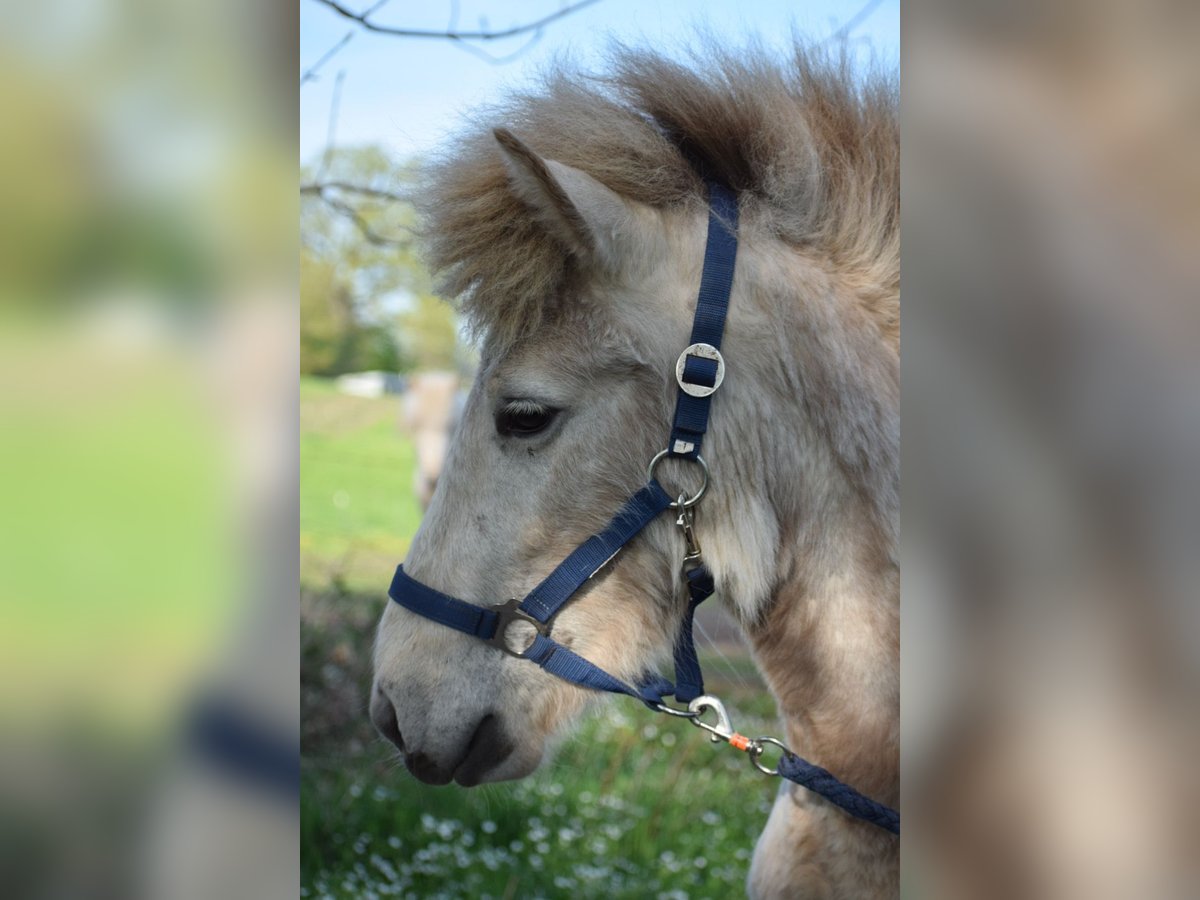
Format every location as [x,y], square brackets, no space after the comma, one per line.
[357,510]
[632,805]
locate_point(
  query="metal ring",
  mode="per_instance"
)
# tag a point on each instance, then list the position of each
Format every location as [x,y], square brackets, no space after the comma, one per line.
[695,498]
[756,751]
[509,613]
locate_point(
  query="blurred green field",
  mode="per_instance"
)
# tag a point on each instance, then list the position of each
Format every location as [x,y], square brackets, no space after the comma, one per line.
[633,805]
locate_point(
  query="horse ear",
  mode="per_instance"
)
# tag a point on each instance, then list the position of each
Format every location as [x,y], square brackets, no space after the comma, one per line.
[587,217]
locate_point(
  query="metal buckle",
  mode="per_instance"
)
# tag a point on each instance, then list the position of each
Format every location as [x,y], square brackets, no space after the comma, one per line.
[702,351]
[509,613]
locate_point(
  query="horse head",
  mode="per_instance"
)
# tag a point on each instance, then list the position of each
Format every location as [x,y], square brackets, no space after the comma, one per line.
[557,433]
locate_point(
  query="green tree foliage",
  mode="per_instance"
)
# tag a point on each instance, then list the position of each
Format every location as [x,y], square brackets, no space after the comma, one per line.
[365,298]
[321,326]
[429,329]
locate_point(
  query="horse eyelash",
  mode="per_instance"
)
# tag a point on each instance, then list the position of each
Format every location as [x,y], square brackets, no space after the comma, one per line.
[523,406]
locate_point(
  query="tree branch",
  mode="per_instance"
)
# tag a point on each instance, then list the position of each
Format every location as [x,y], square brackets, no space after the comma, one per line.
[322,192]
[843,32]
[319,189]
[480,53]
[364,20]
[364,227]
[331,128]
[310,74]
[330,192]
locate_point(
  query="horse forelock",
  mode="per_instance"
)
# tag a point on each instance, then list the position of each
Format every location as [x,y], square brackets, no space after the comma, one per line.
[812,147]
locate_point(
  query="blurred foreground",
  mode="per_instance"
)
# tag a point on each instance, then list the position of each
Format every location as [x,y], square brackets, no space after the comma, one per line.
[1051,434]
[148,456]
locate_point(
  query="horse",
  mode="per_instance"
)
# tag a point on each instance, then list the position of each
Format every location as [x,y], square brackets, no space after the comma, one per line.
[431,411]
[569,225]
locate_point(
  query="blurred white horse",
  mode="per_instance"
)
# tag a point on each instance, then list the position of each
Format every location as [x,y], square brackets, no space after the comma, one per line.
[433,404]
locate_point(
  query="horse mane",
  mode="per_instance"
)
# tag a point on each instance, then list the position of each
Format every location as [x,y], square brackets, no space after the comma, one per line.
[813,147]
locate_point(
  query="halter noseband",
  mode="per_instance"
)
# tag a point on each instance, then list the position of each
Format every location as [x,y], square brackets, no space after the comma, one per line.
[699,371]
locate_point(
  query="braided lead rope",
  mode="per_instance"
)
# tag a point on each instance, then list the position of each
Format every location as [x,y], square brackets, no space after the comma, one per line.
[841,795]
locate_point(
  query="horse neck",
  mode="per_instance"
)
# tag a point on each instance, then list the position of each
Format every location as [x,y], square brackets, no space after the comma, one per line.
[805,538]
[827,643]
[800,556]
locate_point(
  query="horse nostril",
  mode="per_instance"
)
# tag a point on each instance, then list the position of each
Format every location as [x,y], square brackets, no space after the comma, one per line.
[426,769]
[383,714]
[489,746]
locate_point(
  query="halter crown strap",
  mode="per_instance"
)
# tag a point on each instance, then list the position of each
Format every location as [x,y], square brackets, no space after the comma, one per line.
[701,366]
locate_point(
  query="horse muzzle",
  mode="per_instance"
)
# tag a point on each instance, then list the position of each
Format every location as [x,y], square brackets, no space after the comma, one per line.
[476,755]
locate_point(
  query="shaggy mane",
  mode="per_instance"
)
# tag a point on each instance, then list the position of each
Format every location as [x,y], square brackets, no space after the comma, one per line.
[813,149]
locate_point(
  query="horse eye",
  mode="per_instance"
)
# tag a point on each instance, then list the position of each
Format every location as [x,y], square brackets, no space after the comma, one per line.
[524,419]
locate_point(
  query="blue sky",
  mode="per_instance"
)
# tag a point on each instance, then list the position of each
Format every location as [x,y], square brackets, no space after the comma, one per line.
[406,94]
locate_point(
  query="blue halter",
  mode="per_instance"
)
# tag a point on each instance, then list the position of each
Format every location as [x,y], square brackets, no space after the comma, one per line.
[699,371]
